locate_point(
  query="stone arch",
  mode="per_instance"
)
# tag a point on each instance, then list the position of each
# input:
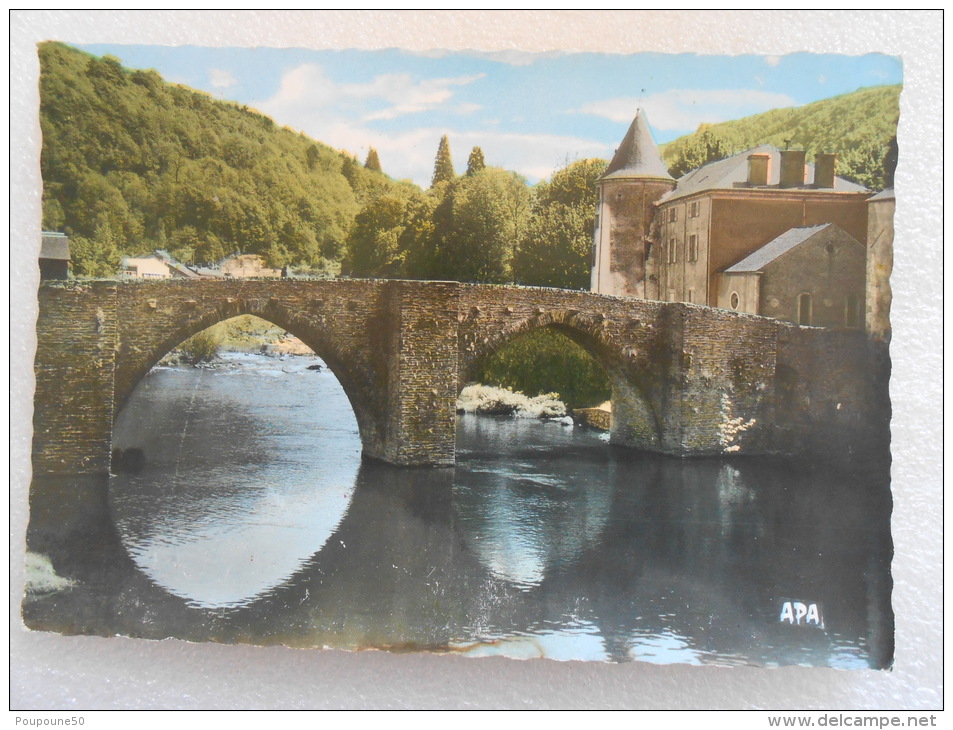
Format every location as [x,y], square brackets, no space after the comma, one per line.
[635,419]
[133,364]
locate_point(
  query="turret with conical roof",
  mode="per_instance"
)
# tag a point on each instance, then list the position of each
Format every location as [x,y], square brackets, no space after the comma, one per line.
[623,262]
[637,156]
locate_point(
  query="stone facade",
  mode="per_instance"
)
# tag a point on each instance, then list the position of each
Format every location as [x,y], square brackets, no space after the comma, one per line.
[658,238]
[809,276]
[624,265]
[686,380]
[731,225]
[881,210]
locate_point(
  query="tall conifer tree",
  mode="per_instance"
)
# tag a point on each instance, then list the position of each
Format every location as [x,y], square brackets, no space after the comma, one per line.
[476,161]
[373,162]
[443,166]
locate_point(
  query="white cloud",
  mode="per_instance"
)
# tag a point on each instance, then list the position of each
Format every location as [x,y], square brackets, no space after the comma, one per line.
[772,61]
[306,90]
[468,108]
[410,154]
[221,79]
[685,109]
[342,116]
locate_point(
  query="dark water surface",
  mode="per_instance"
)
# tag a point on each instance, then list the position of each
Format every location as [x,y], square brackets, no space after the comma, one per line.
[256,520]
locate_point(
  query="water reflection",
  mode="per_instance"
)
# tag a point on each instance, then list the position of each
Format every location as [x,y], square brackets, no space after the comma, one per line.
[528,502]
[256,521]
[232,504]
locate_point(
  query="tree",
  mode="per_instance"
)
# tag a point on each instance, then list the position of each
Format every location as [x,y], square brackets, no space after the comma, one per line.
[477,224]
[419,239]
[312,155]
[443,165]
[96,257]
[890,162]
[373,162]
[554,249]
[701,148]
[475,163]
[373,248]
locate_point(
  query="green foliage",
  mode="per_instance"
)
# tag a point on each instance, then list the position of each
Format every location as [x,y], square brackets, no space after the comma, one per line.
[373,162]
[476,224]
[97,257]
[544,361]
[373,246]
[701,148]
[443,165]
[419,237]
[475,162]
[555,250]
[161,166]
[857,127]
[555,247]
[203,346]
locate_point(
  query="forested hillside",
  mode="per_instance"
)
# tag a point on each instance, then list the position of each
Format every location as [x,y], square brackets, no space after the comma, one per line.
[131,163]
[857,126]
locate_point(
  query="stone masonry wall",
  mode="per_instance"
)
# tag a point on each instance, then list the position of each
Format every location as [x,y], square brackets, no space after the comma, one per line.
[727,392]
[831,399]
[75,355]
[422,399]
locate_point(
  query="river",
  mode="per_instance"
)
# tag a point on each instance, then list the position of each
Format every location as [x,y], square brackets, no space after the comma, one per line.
[256,520]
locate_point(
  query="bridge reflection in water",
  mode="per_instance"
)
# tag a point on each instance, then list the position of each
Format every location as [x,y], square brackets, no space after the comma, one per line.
[542,541]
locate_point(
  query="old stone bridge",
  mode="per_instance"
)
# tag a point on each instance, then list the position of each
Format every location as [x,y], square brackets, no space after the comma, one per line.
[686,380]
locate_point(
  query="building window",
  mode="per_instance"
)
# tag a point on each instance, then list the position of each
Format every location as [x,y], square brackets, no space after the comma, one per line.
[734,300]
[852,311]
[693,209]
[597,222]
[672,251]
[671,295]
[691,296]
[804,309]
[672,215]
[693,247]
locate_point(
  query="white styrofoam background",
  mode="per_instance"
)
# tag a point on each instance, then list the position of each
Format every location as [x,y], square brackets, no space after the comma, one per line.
[55,672]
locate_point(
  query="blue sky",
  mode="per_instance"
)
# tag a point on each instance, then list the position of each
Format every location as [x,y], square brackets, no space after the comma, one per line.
[528,112]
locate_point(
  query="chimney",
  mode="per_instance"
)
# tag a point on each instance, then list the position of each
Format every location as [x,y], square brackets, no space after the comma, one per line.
[825,166]
[792,168]
[759,167]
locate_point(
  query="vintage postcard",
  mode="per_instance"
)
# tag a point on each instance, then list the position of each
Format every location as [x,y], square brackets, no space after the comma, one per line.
[572,356]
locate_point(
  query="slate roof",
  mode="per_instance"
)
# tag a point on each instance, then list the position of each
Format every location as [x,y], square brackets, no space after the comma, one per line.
[732,173]
[182,269]
[638,155]
[772,250]
[54,246]
[883,195]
